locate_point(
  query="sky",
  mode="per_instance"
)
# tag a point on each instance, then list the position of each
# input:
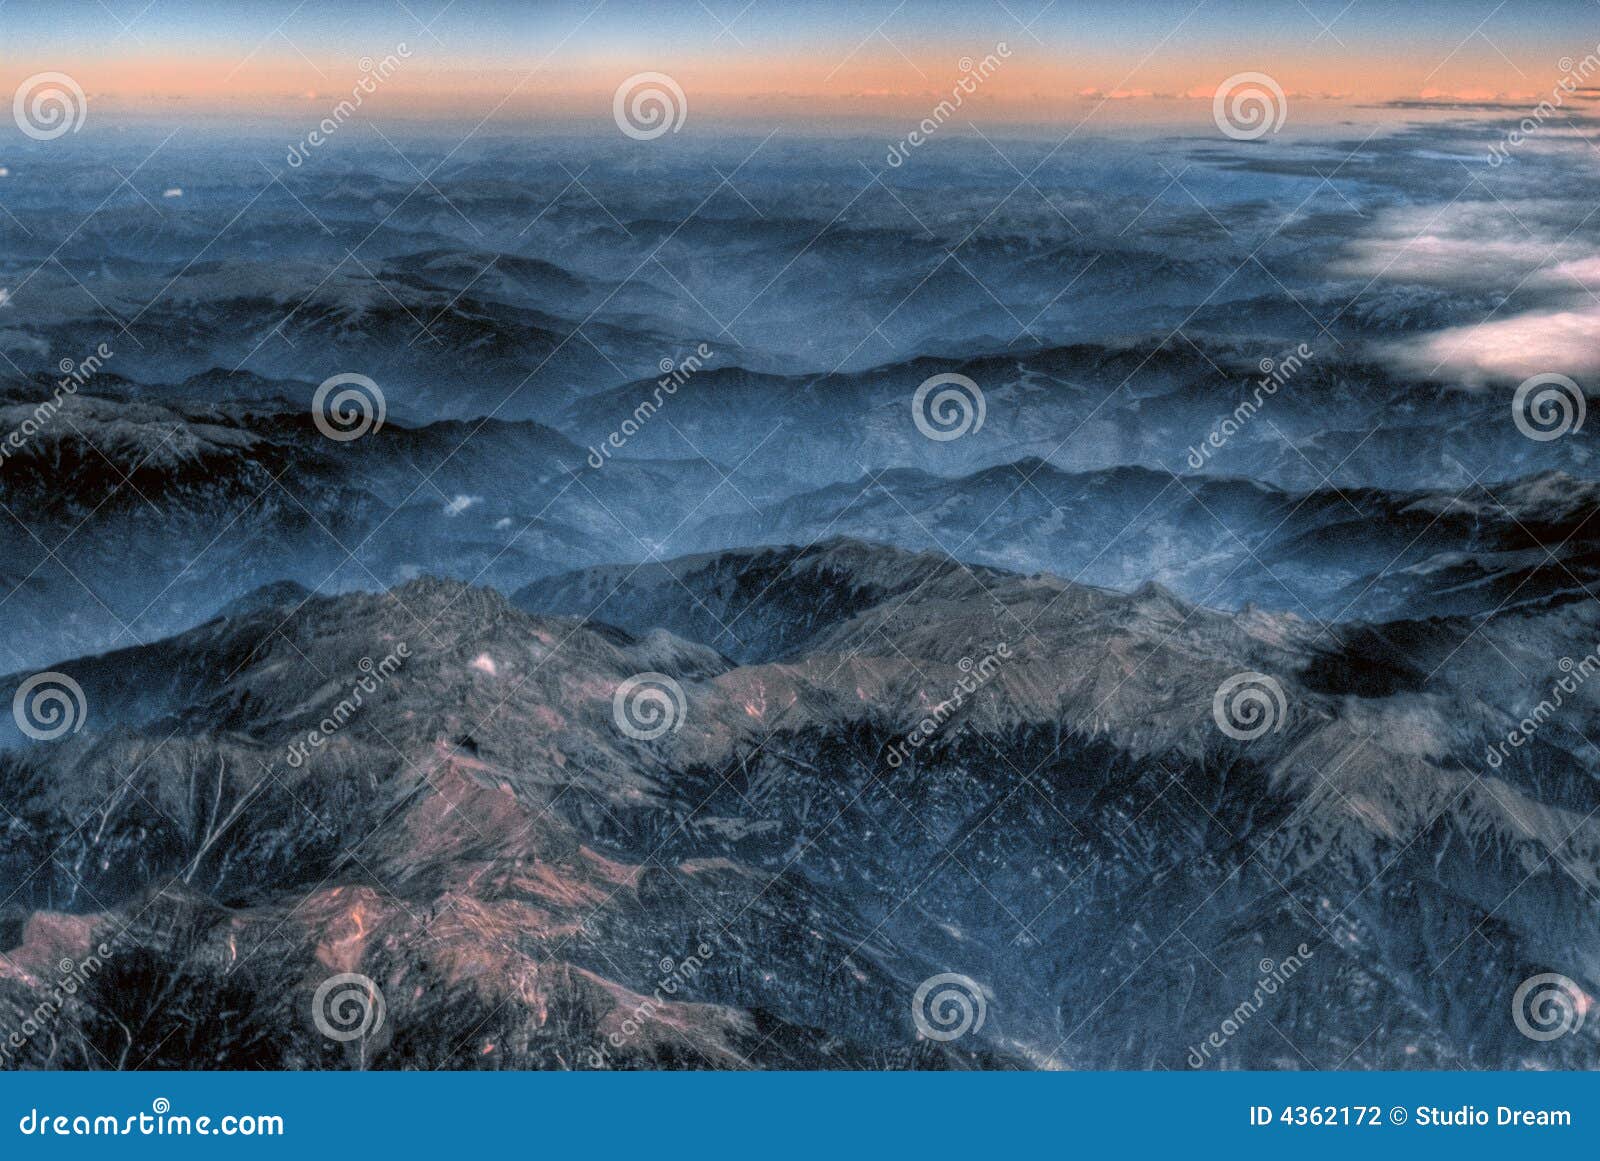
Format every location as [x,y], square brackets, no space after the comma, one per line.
[1151,59]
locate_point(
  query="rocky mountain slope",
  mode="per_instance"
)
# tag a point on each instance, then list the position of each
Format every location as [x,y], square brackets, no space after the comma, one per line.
[483,839]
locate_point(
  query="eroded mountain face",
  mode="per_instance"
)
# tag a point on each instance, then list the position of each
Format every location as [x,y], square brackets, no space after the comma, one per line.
[517,872]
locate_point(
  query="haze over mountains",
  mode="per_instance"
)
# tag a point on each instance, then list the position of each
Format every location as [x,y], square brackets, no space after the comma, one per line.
[938,703]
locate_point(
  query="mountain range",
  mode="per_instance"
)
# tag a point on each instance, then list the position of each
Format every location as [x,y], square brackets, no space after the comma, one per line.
[715,607]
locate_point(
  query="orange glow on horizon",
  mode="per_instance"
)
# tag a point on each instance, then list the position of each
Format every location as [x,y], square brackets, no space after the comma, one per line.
[1026,86]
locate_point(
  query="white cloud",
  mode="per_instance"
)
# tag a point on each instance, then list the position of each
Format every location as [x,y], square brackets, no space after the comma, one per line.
[1566,341]
[1534,250]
